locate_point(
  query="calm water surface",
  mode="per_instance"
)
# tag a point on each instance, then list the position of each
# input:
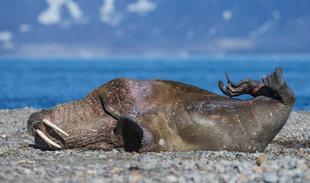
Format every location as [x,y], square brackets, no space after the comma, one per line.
[44,83]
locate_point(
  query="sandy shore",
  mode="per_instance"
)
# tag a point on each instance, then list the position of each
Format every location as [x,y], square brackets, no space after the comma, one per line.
[286,159]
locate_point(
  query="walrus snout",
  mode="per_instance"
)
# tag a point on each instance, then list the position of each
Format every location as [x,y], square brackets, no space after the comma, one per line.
[35,122]
[38,125]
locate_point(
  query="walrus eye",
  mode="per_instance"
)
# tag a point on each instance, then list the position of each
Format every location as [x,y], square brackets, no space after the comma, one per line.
[50,124]
[44,137]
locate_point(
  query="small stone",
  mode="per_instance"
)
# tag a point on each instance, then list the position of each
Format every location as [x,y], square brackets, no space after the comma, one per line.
[224,162]
[135,177]
[219,168]
[171,178]
[13,163]
[302,166]
[57,179]
[67,168]
[99,180]
[116,170]
[114,151]
[3,136]
[238,156]
[201,168]
[301,151]
[241,177]
[271,178]
[91,172]
[26,141]
[266,168]
[135,155]
[79,173]
[222,177]
[70,160]
[257,169]
[261,160]
[27,171]
[102,156]
[210,178]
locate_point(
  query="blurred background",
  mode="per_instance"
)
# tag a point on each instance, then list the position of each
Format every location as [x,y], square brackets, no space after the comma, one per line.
[152,27]
[54,51]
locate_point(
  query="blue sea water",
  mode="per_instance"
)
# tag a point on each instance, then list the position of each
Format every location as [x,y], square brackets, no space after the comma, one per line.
[44,83]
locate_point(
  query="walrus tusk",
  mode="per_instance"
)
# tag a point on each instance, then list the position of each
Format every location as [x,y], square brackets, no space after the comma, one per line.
[50,124]
[44,137]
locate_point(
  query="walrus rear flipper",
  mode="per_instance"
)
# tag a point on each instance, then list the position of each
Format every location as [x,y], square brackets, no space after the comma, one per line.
[131,133]
[277,84]
[245,86]
[273,86]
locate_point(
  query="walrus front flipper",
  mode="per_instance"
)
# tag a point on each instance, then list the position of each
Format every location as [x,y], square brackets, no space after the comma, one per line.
[116,98]
[131,133]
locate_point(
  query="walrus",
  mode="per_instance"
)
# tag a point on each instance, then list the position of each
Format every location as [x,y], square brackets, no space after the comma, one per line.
[161,115]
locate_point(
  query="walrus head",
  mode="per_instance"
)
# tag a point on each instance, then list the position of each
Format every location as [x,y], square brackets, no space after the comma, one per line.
[77,124]
[86,126]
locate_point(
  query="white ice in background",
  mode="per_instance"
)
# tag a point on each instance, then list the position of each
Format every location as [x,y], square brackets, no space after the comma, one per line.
[25,28]
[6,39]
[141,7]
[52,15]
[227,15]
[108,14]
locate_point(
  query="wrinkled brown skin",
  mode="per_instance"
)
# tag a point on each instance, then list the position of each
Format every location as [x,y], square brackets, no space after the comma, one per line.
[173,116]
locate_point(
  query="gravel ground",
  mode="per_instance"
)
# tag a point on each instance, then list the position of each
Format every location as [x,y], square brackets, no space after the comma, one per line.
[286,159]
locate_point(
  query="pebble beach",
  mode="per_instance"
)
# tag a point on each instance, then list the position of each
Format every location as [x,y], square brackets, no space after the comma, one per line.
[286,159]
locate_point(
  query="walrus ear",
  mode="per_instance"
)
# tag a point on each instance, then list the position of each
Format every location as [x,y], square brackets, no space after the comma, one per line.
[131,133]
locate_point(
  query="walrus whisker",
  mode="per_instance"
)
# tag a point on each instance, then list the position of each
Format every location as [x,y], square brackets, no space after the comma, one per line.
[44,137]
[50,124]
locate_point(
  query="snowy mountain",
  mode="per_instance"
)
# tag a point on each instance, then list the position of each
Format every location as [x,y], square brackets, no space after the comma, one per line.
[148,27]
